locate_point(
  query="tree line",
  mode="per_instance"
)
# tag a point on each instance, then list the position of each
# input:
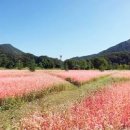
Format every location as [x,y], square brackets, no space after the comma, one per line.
[28,61]
[119,61]
[106,62]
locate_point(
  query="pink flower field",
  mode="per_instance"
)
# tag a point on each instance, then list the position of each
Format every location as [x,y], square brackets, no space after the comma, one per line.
[122,74]
[108,109]
[16,83]
[79,76]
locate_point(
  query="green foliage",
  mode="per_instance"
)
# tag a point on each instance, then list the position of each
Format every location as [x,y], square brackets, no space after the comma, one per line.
[32,65]
[97,63]
[11,58]
[119,61]
[16,102]
[89,65]
[19,65]
[83,64]
[100,63]
[10,103]
[66,66]
[76,64]
[48,63]
[10,65]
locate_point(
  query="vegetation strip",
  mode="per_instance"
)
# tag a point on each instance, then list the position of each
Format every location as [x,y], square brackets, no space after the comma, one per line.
[78,84]
[15,102]
[8,103]
[81,77]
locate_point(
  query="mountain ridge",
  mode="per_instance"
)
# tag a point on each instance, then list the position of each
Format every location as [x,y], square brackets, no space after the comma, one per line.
[11,57]
[9,49]
[118,48]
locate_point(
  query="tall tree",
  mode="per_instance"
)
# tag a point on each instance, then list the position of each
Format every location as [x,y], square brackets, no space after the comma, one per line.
[19,64]
[32,65]
[100,63]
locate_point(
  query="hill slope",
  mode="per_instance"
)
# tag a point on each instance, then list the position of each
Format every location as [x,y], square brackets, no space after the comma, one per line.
[11,56]
[8,49]
[119,48]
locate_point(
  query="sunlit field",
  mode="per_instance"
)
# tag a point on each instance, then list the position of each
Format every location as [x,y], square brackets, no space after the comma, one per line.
[79,76]
[18,83]
[122,74]
[107,109]
[65,65]
[64,100]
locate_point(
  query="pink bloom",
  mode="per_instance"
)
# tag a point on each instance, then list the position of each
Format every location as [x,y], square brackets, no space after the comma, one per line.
[108,109]
[17,83]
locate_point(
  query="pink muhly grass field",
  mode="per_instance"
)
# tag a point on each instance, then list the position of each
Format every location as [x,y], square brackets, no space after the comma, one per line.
[122,74]
[106,110]
[16,83]
[79,76]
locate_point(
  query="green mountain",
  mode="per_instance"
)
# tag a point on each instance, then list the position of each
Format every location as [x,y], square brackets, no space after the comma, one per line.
[10,56]
[114,57]
[8,49]
[123,47]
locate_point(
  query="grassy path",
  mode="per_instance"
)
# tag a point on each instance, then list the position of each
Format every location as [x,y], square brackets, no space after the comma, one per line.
[54,101]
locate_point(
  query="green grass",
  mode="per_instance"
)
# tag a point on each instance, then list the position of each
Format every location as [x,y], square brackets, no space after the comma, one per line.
[77,83]
[55,99]
[15,102]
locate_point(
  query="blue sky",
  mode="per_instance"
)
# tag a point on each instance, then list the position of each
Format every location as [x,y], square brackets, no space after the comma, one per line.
[64,27]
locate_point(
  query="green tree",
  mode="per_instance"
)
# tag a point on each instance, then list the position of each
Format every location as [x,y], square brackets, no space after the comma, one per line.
[10,65]
[19,64]
[89,65]
[100,63]
[4,60]
[83,64]
[40,65]
[66,66]
[32,65]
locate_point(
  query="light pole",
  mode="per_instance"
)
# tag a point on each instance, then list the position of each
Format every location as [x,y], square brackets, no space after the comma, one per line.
[60,57]
[61,61]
